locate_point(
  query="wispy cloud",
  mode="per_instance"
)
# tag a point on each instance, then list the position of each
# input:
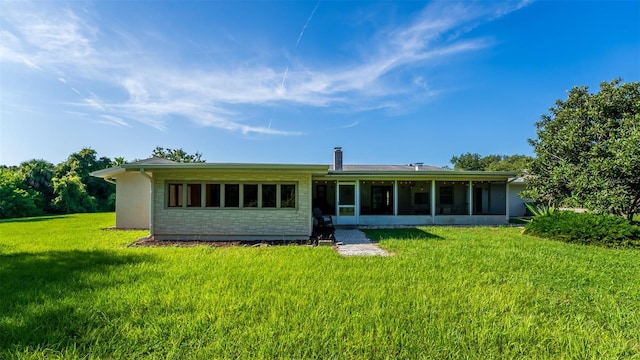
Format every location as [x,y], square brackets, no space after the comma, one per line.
[70,45]
[114,120]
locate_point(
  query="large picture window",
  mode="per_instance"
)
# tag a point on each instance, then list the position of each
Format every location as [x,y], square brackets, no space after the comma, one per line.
[243,196]
[231,195]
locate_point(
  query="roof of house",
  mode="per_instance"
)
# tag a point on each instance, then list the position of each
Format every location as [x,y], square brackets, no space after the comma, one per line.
[383,168]
[153,161]
[155,164]
[411,170]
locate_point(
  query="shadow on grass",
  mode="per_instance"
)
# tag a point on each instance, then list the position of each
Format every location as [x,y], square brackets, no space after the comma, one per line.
[46,298]
[400,234]
[34,219]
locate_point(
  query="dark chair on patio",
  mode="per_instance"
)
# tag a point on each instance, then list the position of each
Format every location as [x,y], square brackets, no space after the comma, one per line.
[321,220]
[323,230]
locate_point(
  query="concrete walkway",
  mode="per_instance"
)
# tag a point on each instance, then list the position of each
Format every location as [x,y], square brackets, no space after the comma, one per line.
[353,242]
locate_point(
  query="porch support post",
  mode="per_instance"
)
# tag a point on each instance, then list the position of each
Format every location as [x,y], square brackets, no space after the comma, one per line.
[507,200]
[433,201]
[470,197]
[395,198]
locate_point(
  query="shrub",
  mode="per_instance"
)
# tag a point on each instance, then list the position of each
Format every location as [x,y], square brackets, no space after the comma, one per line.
[585,228]
[16,200]
[71,195]
[539,210]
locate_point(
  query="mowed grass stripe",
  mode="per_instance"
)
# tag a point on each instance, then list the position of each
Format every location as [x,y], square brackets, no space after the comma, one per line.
[70,289]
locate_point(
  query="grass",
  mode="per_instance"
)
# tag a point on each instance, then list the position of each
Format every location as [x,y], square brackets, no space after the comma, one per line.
[71,290]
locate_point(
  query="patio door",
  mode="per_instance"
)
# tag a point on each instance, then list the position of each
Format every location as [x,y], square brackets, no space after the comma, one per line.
[346,203]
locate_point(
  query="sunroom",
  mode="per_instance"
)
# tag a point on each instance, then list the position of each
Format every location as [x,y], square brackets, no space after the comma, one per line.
[379,200]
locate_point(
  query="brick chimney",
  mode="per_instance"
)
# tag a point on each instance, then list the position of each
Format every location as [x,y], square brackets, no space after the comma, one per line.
[337,158]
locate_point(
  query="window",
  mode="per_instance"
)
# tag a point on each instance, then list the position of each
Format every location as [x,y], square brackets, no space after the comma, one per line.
[231,195]
[213,195]
[250,198]
[421,198]
[269,195]
[194,195]
[245,196]
[381,200]
[287,196]
[446,195]
[175,195]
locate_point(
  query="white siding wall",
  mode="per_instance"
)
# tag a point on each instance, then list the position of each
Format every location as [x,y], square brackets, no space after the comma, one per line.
[232,224]
[516,203]
[132,201]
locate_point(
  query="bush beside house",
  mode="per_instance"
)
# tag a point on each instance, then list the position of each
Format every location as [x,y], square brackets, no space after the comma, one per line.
[585,228]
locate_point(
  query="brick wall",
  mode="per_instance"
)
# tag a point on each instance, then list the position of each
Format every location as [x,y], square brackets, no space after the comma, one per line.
[232,224]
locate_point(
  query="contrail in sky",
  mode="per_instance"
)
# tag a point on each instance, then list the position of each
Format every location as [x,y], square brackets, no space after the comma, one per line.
[284,77]
[286,71]
[307,23]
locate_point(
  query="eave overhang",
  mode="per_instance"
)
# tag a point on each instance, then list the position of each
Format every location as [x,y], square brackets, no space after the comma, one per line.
[426,175]
[213,167]
[108,173]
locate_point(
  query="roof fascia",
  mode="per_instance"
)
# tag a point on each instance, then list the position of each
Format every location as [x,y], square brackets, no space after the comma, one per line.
[314,169]
[108,173]
[503,175]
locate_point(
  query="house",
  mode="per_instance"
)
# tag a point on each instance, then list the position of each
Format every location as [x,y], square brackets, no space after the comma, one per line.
[240,201]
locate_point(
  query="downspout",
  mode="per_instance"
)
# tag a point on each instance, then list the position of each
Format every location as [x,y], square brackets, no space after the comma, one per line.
[151,212]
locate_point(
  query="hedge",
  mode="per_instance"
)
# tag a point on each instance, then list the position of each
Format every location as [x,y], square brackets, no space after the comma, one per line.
[585,228]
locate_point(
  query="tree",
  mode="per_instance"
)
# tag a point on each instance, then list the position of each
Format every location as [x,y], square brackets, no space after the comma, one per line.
[178,155]
[511,163]
[38,175]
[81,164]
[71,195]
[119,161]
[476,162]
[588,151]
[15,200]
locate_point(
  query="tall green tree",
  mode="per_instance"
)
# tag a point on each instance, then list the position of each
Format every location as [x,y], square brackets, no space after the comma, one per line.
[177,155]
[82,163]
[476,162]
[16,200]
[71,195]
[38,175]
[119,161]
[588,150]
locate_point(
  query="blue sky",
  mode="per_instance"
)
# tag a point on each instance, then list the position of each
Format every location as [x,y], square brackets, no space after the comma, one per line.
[286,81]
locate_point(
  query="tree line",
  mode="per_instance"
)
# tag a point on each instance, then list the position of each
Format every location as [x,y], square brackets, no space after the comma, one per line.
[477,162]
[38,187]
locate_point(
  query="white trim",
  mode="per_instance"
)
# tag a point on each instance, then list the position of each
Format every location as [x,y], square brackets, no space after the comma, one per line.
[470,194]
[151,201]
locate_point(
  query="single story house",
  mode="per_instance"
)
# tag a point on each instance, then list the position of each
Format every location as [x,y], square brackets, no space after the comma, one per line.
[232,201]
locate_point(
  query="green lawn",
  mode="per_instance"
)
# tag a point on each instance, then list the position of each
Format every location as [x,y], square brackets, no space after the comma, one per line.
[71,290]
